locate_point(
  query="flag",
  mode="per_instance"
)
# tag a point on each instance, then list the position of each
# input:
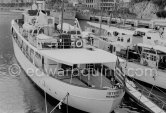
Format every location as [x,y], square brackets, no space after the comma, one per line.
[119,74]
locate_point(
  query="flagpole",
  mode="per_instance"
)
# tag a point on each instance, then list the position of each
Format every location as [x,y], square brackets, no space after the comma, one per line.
[101,13]
[62,15]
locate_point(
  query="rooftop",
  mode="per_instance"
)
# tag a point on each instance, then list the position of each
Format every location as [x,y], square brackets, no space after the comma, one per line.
[80,56]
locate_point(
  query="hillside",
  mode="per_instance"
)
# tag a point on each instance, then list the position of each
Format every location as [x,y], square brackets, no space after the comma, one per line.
[147,9]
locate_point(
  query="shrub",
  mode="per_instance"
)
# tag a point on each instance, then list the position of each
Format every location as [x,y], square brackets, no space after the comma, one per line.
[161,14]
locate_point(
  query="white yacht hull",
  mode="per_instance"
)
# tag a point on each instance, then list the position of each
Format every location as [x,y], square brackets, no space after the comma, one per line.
[158,79]
[85,99]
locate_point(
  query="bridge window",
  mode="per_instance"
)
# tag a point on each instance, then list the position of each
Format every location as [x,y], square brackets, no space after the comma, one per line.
[50,21]
[78,32]
[151,58]
[148,37]
[24,48]
[37,60]
[154,58]
[128,40]
[20,42]
[143,55]
[118,38]
[121,39]
[31,55]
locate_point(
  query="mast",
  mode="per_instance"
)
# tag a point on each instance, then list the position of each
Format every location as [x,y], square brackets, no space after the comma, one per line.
[101,13]
[62,16]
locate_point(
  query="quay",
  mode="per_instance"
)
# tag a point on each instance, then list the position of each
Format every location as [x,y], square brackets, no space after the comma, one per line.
[149,23]
[138,95]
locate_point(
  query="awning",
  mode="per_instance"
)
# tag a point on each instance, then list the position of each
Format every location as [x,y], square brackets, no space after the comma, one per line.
[79,56]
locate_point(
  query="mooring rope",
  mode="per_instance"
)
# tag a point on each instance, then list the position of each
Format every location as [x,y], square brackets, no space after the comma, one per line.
[60,102]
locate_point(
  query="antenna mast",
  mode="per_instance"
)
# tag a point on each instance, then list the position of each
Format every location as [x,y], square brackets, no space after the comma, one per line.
[62,15]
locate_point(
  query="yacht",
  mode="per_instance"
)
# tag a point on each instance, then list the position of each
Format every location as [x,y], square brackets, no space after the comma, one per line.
[78,75]
[144,50]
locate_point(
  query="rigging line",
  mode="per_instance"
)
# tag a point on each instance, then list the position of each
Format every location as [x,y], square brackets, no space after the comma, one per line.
[152,93]
[67,105]
[163,102]
[60,102]
[160,90]
[45,95]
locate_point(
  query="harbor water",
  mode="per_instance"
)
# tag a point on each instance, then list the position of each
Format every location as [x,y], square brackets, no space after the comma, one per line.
[18,94]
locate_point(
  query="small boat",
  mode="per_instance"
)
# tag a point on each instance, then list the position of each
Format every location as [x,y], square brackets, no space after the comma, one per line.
[75,74]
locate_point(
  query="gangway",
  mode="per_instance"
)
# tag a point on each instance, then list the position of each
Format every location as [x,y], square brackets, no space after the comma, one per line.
[134,91]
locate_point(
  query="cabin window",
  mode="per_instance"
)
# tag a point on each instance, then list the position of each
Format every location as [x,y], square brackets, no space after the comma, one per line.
[35,31]
[20,42]
[154,59]
[148,37]
[108,33]
[140,33]
[27,52]
[147,56]
[121,39]
[143,55]
[115,33]
[31,55]
[37,55]
[50,21]
[78,32]
[93,31]
[73,32]
[151,58]
[105,39]
[24,48]
[38,60]
[143,34]
[41,31]
[128,40]
[114,49]
[118,38]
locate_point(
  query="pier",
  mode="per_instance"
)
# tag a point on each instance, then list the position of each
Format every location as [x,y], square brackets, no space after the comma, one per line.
[134,22]
[138,94]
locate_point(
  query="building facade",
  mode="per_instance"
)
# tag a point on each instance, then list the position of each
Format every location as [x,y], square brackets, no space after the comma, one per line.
[106,5]
[16,1]
[91,3]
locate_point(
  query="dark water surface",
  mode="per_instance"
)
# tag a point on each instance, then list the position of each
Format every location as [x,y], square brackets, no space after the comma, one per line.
[19,95]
